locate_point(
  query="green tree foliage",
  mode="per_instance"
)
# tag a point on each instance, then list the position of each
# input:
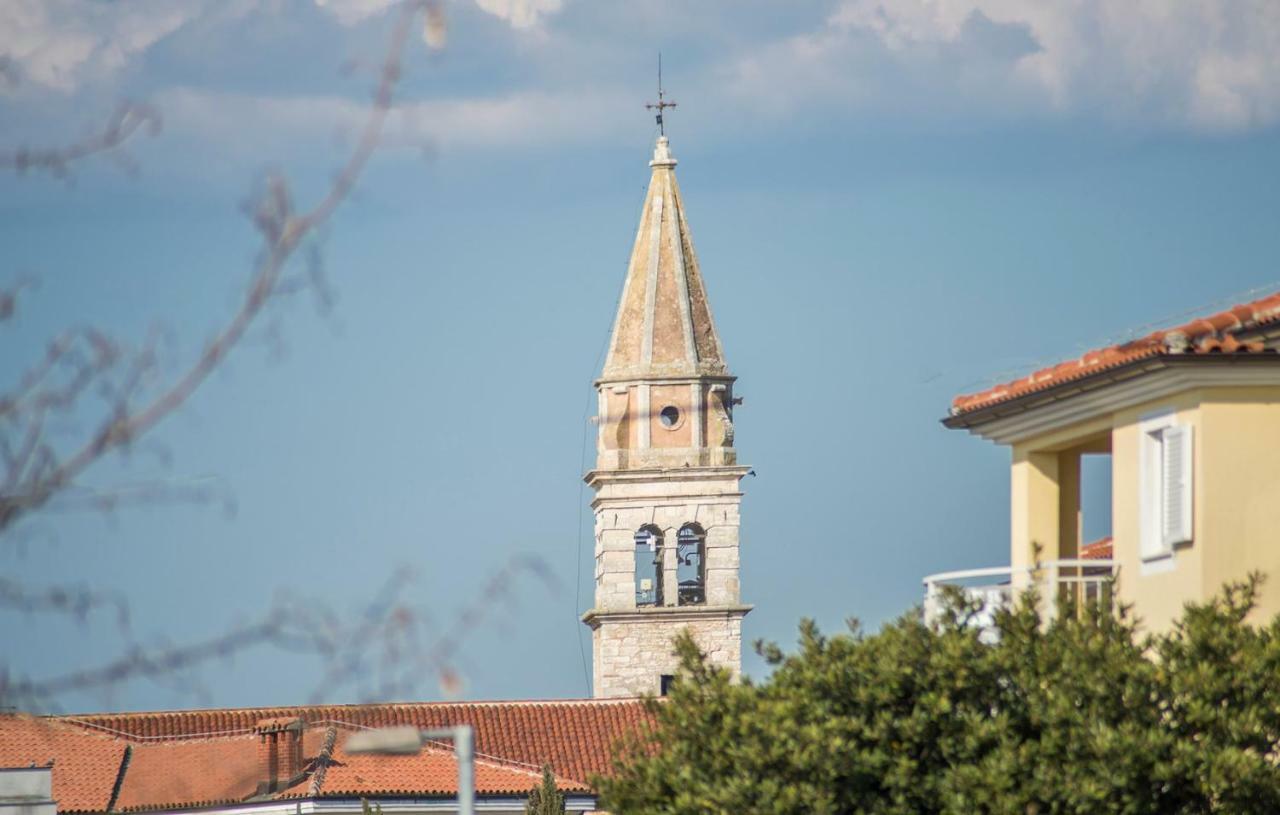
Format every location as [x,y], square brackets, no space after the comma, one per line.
[1078,715]
[545,799]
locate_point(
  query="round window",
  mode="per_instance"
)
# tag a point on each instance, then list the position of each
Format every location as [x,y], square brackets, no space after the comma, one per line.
[669,416]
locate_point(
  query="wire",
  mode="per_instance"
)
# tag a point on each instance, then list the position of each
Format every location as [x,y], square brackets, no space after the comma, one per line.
[582,462]
[577,561]
[240,731]
[1027,368]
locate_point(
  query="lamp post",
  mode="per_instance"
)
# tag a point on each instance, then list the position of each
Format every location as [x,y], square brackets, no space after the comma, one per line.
[409,740]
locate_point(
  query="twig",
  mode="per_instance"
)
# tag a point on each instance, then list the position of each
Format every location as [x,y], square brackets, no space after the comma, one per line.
[76,601]
[282,231]
[129,118]
[292,624]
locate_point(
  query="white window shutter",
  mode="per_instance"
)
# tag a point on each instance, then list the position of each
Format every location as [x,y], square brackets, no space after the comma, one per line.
[1175,493]
[1150,491]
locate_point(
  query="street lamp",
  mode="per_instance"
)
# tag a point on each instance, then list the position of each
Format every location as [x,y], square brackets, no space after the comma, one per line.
[409,740]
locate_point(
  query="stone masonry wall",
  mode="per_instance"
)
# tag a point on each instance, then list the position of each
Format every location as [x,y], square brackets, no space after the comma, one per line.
[631,657]
[616,526]
[632,646]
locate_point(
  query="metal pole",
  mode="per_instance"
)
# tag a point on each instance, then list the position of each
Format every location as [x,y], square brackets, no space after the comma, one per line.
[464,753]
[408,741]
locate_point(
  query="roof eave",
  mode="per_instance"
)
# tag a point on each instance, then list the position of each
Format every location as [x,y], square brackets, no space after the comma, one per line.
[970,419]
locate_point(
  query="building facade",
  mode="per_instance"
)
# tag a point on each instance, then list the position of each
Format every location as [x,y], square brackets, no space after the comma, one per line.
[667,479]
[27,791]
[1187,419]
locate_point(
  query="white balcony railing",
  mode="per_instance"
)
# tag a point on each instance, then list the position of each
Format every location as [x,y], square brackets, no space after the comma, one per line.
[1080,582]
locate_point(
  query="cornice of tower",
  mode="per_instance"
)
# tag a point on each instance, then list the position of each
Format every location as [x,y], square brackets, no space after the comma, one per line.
[654,475]
[624,378]
[593,617]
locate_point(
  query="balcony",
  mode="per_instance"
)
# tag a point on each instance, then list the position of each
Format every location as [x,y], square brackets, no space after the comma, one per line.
[1061,583]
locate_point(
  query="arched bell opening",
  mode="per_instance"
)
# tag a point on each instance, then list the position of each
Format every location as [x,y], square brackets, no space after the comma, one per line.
[691,569]
[648,541]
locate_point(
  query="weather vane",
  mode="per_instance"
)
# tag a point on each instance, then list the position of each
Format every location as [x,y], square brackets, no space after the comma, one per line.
[662,104]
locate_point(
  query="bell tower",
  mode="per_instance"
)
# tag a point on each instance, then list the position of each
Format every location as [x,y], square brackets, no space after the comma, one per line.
[666,480]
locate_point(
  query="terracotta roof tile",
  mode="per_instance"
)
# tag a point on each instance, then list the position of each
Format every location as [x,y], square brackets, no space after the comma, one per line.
[431,772]
[85,765]
[1100,549]
[1214,334]
[189,773]
[575,736]
[198,758]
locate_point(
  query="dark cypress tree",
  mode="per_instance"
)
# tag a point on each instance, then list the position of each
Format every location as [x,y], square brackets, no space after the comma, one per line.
[545,799]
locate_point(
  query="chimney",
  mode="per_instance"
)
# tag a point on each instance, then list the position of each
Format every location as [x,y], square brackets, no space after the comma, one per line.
[279,753]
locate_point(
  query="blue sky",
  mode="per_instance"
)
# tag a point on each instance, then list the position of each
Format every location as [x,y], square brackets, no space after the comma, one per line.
[893,202]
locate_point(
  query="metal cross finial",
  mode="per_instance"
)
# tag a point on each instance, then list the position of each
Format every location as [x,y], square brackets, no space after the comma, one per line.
[662,104]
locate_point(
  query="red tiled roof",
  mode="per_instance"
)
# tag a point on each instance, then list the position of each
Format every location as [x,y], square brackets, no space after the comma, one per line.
[85,765]
[574,736]
[191,773]
[1213,334]
[1097,550]
[432,772]
[200,758]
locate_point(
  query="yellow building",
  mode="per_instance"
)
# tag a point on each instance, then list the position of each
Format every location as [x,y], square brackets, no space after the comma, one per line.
[1190,418]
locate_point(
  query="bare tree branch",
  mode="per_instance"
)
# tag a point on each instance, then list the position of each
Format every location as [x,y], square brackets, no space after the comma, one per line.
[75,601]
[83,354]
[282,229]
[9,297]
[203,489]
[384,643]
[279,627]
[128,119]
[392,646]
[396,657]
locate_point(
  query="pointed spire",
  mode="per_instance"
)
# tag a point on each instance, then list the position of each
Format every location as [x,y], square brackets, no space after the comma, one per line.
[664,326]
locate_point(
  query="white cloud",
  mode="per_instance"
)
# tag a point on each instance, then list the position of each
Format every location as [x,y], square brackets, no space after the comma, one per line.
[260,126]
[519,13]
[351,12]
[1207,64]
[59,44]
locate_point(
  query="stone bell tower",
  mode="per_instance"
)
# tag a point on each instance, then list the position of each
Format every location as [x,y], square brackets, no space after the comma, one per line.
[666,480]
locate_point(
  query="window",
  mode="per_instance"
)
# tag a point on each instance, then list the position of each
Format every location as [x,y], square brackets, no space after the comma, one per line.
[1165,486]
[690,568]
[648,566]
[670,417]
[664,684]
